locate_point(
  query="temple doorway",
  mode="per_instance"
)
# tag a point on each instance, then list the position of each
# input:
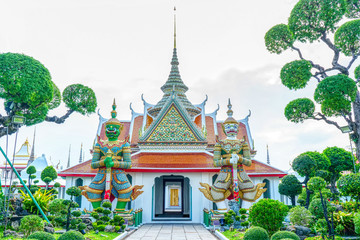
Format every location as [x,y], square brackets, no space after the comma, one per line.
[171,197]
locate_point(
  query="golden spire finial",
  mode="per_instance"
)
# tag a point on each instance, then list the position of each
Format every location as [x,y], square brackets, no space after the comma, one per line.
[174,27]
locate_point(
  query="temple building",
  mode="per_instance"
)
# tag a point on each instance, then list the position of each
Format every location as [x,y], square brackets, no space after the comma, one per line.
[24,158]
[172,145]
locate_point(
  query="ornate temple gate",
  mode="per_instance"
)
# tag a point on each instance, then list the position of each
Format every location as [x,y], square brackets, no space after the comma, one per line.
[171,197]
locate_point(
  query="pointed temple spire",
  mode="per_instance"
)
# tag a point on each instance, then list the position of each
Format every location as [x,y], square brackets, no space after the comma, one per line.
[81,155]
[174,84]
[174,27]
[267,157]
[68,163]
[32,155]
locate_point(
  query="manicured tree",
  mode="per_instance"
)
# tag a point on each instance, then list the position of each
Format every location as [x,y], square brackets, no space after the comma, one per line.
[317,184]
[27,90]
[72,192]
[268,213]
[309,164]
[341,160]
[349,185]
[48,174]
[305,166]
[315,21]
[290,186]
[31,170]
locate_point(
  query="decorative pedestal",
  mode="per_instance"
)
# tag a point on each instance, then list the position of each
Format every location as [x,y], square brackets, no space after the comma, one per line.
[133,218]
[212,218]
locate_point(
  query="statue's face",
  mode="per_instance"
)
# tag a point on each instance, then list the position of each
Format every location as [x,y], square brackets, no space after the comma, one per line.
[112,131]
[231,129]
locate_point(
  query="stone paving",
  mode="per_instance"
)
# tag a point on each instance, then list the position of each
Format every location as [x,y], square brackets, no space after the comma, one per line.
[172,232]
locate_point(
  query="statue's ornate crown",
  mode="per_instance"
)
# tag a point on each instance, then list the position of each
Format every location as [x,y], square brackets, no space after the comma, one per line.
[229,112]
[113,120]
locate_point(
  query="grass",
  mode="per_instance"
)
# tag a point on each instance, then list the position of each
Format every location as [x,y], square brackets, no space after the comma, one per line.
[233,235]
[90,235]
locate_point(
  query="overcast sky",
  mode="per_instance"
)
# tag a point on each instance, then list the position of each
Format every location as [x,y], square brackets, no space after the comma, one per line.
[123,49]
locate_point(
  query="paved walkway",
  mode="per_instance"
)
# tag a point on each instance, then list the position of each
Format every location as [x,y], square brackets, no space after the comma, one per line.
[172,232]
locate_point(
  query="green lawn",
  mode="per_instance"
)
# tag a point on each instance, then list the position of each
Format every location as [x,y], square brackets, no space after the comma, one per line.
[90,235]
[234,235]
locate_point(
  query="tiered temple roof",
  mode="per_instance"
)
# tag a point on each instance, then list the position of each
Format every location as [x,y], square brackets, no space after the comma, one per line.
[174,135]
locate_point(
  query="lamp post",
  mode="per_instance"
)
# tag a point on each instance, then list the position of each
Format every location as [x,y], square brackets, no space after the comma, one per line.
[348,129]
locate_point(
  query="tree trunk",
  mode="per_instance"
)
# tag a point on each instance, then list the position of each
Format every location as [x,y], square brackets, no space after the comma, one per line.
[68,215]
[292,200]
[356,124]
[324,205]
[29,181]
[333,188]
[308,192]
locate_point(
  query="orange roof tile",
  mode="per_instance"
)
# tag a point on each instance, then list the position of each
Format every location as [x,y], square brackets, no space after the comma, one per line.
[172,160]
[186,162]
[135,134]
[209,122]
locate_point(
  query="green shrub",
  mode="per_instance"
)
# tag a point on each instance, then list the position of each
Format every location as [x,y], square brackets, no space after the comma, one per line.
[269,214]
[72,235]
[30,224]
[300,216]
[56,206]
[357,223]
[256,233]
[320,238]
[242,210]
[41,236]
[107,205]
[81,226]
[101,227]
[316,208]
[344,223]
[117,228]
[76,213]
[284,234]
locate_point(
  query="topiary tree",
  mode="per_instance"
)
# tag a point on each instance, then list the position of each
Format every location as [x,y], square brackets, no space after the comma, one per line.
[256,233]
[31,170]
[72,192]
[269,214]
[103,217]
[340,160]
[290,186]
[309,164]
[317,184]
[337,93]
[48,174]
[349,185]
[280,235]
[28,91]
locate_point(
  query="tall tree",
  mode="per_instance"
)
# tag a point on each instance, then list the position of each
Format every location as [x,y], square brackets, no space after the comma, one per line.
[48,174]
[290,186]
[318,21]
[31,170]
[27,89]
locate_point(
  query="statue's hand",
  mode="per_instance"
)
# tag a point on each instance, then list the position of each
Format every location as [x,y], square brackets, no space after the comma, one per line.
[109,163]
[234,158]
